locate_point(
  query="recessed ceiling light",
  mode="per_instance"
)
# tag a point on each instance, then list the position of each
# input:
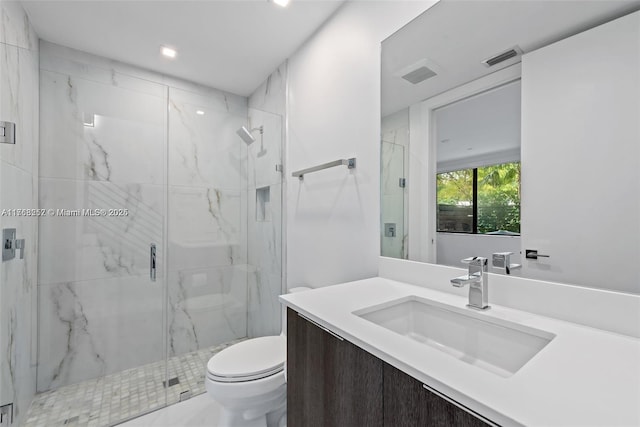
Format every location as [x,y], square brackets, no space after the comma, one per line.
[168,52]
[200,112]
[282,3]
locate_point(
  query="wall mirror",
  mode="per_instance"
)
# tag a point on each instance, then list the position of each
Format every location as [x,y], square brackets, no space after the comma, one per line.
[512,127]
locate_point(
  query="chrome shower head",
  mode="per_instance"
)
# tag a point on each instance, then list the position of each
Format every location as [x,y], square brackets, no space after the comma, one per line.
[245,134]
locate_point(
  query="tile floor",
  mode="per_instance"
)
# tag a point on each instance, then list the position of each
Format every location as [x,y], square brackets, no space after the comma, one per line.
[117,397]
[198,411]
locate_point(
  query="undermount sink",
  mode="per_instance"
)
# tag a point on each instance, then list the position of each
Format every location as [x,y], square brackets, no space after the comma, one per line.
[496,345]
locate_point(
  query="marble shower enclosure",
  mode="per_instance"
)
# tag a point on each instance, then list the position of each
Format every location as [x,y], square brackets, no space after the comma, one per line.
[18,190]
[165,152]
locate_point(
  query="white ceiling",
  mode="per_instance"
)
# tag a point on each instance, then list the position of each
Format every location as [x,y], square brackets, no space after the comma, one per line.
[484,124]
[454,36]
[232,45]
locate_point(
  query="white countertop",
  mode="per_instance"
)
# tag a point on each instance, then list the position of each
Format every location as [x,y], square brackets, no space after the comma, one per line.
[583,377]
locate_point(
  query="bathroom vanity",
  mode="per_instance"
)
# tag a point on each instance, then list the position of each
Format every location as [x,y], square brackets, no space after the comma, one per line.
[355,359]
[355,387]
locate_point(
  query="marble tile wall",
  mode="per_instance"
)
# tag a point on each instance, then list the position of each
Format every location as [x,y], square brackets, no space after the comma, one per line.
[98,327]
[18,190]
[178,175]
[271,95]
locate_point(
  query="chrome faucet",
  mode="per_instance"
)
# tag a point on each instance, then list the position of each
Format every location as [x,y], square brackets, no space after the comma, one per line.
[478,281]
[502,261]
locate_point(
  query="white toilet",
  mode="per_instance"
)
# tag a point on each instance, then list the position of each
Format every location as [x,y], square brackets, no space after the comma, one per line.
[248,381]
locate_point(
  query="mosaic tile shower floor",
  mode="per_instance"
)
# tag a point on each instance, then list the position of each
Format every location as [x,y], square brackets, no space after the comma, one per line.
[117,397]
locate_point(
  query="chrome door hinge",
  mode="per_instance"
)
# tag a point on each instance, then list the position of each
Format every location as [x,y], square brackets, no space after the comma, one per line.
[7,132]
[6,415]
[152,262]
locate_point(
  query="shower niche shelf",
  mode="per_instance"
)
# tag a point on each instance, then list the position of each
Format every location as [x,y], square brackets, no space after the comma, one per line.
[263,204]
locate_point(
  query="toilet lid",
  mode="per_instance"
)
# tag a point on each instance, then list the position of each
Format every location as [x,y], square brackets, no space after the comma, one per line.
[249,360]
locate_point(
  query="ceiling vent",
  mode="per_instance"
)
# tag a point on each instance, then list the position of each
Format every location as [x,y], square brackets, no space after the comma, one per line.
[419,75]
[419,71]
[501,57]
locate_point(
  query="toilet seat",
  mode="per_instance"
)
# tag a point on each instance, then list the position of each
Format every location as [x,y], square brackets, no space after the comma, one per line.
[249,360]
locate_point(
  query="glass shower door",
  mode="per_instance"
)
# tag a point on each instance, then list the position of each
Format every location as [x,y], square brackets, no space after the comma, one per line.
[264,224]
[392,209]
[103,186]
[207,271]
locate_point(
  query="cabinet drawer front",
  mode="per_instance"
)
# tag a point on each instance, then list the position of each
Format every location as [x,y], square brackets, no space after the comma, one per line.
[330,381]
[408,403]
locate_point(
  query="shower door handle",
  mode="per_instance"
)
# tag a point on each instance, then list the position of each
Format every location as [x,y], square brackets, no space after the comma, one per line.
[152,262]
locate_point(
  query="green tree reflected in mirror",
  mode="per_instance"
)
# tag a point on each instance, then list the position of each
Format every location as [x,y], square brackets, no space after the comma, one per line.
[496,194]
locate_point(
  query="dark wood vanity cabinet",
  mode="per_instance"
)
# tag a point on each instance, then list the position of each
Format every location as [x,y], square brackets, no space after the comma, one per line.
[408,403]
[333,383]
[330,382]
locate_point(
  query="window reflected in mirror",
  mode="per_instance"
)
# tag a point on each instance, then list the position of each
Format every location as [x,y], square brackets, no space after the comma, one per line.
[477,174]
[483,200]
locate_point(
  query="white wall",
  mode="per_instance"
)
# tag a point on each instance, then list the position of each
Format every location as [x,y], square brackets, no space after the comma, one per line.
[581,157]
[334,112]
